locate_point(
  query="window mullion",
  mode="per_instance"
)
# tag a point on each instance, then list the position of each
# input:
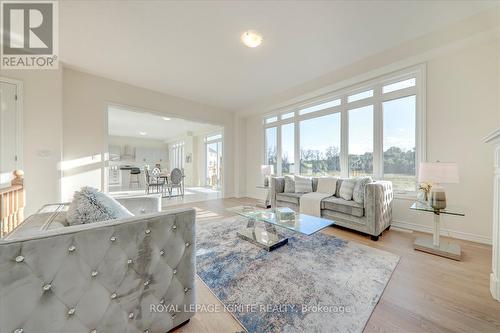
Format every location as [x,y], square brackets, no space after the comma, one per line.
[278,151]
[344,139]
[378,150]
[296,162]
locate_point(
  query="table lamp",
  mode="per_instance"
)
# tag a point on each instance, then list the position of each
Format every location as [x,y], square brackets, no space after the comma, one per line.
[266,170]
[438,173]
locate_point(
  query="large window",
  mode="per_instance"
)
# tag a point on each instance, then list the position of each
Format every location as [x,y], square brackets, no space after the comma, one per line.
[272,147]
[177,155]
[320,145]
[374,129]
[361,141]
[399,142]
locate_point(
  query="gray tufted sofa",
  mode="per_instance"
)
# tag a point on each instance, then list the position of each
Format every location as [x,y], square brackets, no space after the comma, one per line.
[372,217]
[131,275]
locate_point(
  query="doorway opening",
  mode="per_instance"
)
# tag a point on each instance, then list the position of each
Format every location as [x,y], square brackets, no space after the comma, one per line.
[151,154]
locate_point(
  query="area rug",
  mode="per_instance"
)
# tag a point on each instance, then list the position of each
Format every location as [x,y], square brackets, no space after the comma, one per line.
[316,283]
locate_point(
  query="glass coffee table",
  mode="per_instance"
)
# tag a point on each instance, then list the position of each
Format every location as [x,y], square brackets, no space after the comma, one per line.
[261,225]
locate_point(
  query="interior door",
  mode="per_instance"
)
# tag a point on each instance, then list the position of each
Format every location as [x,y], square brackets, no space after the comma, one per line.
[9,145]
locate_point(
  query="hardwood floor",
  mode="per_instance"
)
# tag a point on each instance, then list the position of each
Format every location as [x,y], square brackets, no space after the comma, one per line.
[426,293]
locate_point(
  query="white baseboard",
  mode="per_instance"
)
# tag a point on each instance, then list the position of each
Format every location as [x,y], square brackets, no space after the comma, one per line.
[444,232]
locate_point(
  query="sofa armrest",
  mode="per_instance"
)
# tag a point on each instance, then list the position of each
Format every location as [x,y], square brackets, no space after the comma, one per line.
[276,185]
[378,205]
[141,205]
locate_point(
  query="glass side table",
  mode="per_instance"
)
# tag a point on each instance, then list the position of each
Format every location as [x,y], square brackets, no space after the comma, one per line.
[434,245]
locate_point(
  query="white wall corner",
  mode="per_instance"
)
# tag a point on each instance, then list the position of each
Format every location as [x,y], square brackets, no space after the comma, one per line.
[494,139]
[495,286]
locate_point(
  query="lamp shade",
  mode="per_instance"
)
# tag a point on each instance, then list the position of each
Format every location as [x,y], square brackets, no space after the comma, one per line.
[266,170]
[438,173]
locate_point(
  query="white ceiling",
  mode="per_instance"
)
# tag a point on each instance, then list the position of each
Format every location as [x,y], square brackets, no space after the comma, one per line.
[122,122]
[192,49]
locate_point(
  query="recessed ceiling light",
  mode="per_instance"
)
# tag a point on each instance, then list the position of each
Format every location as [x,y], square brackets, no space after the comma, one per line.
[251,38]
[165,118]
[143,133]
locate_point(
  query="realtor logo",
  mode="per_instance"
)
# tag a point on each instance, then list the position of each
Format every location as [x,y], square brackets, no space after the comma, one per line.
[29,35]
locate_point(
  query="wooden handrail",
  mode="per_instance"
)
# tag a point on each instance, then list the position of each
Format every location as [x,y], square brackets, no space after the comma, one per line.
[12,203]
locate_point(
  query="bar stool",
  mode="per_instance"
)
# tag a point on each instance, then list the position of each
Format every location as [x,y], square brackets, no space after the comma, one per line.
[134,177]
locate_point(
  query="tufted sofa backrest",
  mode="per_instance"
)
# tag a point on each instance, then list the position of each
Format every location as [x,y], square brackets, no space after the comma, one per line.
[100,277]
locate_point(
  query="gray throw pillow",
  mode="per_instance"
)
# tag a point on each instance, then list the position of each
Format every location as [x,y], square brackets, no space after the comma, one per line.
[339,184]
[347,188]
[358,194]
[289,184]
[303,184]
[89,205]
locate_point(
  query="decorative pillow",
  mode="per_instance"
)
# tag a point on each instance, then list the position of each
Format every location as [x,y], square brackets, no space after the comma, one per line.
[339,185]
[289,184]
[347,188]
[303,184]
[327,185]
[89,205]
[358,194]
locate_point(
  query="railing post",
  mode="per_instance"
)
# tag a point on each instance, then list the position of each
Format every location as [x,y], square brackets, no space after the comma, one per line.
[12,202]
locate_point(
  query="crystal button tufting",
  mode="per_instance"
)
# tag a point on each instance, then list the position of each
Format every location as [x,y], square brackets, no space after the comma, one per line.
[72,248]
[47,287]
[94,273]
[71,311]
[19,259]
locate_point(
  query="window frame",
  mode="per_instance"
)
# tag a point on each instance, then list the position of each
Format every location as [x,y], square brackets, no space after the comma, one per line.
[419,90]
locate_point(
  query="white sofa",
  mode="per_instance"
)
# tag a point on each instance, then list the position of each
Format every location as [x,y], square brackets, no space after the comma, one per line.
[99,277]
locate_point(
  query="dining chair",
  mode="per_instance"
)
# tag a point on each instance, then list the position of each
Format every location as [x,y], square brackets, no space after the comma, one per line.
[176,180]
[154,180]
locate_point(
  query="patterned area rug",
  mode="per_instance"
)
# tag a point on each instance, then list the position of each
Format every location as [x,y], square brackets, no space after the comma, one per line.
[315,283]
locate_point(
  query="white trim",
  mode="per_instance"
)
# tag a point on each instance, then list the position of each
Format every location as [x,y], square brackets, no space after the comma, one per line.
[443,232]
[19,120]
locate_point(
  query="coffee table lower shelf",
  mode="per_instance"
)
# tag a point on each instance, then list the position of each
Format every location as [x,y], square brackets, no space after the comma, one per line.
[266,238]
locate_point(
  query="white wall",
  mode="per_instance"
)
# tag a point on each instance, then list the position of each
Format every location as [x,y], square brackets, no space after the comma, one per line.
[85,99]
[462,108]
[42,134]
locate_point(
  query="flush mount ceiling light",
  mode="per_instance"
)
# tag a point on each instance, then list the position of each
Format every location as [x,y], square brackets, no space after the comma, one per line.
[251,38]
[165,118]
[143,133]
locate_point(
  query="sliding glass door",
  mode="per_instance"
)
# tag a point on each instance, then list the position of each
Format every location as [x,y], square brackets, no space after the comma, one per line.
[213,164]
